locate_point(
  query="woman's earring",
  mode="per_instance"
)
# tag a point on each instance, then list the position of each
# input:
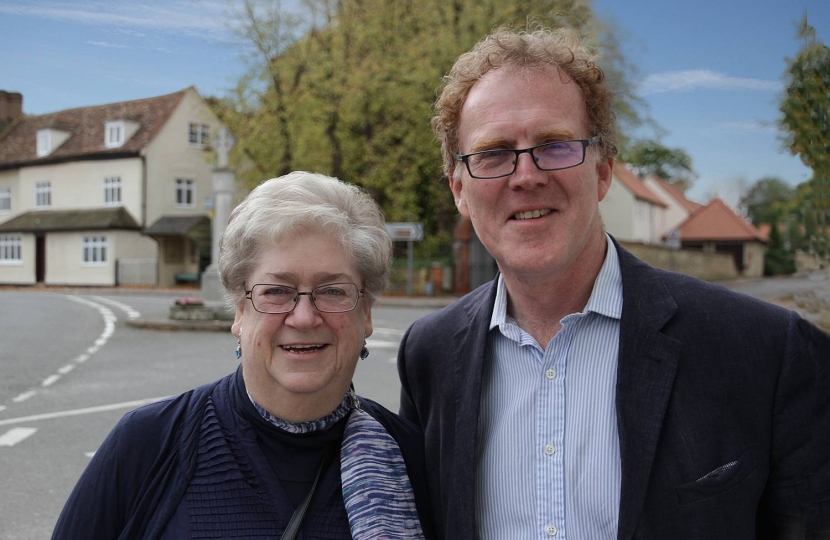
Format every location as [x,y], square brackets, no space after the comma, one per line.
[364,352]
[239,347]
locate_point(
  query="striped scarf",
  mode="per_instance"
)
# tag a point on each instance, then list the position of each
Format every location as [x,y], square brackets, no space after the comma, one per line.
[376,489]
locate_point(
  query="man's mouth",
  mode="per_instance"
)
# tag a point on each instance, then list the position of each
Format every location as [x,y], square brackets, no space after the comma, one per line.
[302,349]
[531,214]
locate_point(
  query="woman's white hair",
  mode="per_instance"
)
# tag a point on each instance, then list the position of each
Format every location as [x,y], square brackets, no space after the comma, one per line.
[301,203]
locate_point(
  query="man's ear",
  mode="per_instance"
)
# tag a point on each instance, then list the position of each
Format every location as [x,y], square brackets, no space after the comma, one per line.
[457,187]
[605,172]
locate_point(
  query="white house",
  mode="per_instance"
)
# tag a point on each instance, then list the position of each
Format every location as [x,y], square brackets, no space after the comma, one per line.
[678,207]
[107,194]
[630,211]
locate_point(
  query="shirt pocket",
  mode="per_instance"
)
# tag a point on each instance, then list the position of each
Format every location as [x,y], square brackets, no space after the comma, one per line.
[719,480]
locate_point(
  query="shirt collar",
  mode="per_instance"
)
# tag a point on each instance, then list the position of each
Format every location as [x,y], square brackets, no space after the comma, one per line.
[606,296]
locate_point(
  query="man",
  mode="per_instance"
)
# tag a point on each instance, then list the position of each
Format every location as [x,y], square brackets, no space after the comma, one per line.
[583,394]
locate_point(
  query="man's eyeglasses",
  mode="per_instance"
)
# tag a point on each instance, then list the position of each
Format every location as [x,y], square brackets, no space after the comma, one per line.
[552,156]
[329,298]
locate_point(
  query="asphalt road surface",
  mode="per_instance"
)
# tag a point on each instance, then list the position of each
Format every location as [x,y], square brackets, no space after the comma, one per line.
[71,368]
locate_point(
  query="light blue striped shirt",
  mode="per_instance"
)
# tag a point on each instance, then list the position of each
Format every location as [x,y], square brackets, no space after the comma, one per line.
[549,454]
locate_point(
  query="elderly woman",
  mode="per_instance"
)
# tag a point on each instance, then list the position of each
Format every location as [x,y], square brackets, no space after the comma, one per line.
[282,447]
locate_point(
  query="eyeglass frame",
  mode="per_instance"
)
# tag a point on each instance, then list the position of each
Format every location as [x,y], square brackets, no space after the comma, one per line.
[464,158]
[249,296]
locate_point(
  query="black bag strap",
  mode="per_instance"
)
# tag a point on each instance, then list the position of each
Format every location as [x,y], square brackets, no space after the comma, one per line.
[297,518]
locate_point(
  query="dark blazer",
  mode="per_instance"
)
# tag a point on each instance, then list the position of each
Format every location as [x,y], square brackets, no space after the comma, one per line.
[705,377]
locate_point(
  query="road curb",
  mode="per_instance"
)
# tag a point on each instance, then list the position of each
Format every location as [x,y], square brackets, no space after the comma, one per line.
[172,325]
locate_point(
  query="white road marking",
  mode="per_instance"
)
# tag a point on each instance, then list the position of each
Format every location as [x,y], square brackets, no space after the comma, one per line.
[66,369]
[393,360]
[50,380]
[77,412]
[89,454]
[16,435]
[393,331]
[24,396]
[131,313]
[381,344]
[3,408]
[81,359]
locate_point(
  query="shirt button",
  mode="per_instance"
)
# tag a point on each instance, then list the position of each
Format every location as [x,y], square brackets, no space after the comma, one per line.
[551,530]
[549,449]
[550,374]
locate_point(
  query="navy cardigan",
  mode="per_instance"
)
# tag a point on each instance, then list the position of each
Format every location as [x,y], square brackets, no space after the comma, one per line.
[135,481]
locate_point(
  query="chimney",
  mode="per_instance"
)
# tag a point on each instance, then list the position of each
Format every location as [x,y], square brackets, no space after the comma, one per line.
[11,106]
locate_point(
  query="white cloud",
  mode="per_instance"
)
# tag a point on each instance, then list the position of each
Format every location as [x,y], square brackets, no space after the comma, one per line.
[203,19]
[106,44]
[681,81]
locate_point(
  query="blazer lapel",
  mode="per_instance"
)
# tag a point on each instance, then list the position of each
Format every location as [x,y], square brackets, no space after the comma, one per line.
[645,375]
[470,341]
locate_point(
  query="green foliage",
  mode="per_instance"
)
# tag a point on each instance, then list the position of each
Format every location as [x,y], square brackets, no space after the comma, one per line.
[351,94]
[649,157]
[805,108]
[768,200]
[778,260]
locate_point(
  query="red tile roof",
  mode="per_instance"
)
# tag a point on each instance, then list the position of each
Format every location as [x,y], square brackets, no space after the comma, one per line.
[717,222]
[636,186]
[86,126]
[677,194]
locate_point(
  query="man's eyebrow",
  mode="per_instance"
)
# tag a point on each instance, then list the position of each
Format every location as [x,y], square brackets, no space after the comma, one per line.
[501,142]
[491,143]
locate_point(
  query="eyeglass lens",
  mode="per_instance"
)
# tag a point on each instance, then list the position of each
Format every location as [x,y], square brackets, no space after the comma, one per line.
[331,298]
[553,156]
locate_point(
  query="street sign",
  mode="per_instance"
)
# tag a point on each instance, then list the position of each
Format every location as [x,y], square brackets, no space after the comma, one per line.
[406,232]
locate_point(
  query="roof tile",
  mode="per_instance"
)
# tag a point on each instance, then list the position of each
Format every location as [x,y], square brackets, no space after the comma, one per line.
[86,126]
[716,221]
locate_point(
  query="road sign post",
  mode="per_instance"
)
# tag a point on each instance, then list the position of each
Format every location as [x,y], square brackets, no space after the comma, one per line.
[408,232]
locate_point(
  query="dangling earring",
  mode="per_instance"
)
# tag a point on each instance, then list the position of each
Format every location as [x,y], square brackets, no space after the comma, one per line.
[364,352]
[239,347]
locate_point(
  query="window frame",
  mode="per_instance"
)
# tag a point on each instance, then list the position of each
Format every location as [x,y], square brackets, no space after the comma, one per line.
[112,191]
[11,249]
[5,200]
[116,128]
[44,142]
[200,131]
[43,195]
[94,250]
[185,187]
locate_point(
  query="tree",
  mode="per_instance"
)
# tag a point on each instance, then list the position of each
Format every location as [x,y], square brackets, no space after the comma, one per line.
[768,200]
[805,108]
[649,157]
[347,88]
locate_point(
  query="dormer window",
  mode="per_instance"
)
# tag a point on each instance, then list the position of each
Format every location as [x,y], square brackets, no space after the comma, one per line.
[44,142]
[114,134]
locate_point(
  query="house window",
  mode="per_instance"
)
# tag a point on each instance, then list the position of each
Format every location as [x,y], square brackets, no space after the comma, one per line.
[198,135]
[44,142]
[10,248]
[185,193]
[114,134]
[112,190]
[43,195]
[5,200]
[94,250]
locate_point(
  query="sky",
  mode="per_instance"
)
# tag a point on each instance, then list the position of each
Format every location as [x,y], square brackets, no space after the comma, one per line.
[710,72]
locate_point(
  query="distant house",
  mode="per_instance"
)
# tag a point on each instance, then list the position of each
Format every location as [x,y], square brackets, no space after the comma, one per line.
[715,228]
[678,207]
[106,194]
[630,211]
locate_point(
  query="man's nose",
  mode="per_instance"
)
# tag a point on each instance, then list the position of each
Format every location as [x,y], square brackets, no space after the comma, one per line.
[527,175]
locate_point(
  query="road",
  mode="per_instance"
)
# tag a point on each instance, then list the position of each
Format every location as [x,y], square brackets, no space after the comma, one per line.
[72,367]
